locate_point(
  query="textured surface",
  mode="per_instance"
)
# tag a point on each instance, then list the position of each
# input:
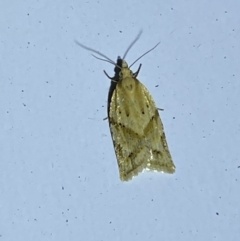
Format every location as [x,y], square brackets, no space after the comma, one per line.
[58,170]
[136,128]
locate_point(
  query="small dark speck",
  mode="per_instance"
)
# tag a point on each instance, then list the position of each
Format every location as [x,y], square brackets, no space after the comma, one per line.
[238,166]
[47,82]
[217,213]
[66,221]
[28,42]
[24,105]
[22,90]
[120,31]
[50,96]
[62,188]
[225,57]
[171,8]
[110,222]
[213,120]
[174,117]
[216,19]
[28,14]
[156,85]
[225,11]
[143,112]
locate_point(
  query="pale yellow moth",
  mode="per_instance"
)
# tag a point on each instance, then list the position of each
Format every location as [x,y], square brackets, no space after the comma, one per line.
[136,128]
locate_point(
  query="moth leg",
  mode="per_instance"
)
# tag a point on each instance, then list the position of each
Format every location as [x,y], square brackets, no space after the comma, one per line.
[111,78]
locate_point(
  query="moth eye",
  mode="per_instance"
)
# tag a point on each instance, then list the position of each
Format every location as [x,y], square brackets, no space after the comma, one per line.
[143,112]
[127,114]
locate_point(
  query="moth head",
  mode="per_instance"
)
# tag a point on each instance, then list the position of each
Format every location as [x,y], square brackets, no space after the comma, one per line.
[121,64]
[124,64]
[121,69]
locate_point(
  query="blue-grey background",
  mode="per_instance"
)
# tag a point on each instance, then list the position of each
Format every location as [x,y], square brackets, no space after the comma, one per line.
[58,171]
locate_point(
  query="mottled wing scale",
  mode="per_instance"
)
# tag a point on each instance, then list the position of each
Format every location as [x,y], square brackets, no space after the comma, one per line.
[137,131]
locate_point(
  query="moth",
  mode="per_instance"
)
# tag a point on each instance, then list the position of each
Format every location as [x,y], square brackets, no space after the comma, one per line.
[136,128]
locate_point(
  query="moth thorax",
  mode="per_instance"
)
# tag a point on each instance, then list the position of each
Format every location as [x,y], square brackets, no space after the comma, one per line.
[129,85]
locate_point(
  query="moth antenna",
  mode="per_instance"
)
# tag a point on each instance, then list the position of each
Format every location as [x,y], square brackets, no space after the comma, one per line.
[106,60]
[133,42]
[144,54]
[95,51]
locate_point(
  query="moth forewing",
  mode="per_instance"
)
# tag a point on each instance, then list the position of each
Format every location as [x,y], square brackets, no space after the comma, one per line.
[136,128]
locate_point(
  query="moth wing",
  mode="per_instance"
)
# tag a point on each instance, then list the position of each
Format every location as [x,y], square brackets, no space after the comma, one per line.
[137,133]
